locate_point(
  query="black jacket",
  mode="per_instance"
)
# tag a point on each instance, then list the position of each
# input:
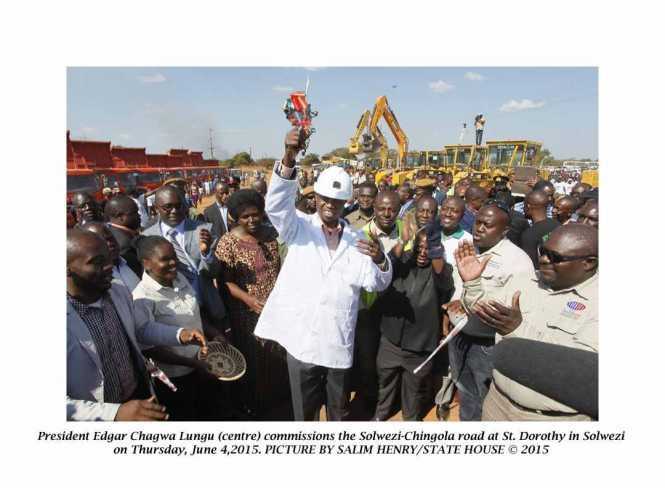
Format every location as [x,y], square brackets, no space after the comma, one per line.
[213,216]
[409,311]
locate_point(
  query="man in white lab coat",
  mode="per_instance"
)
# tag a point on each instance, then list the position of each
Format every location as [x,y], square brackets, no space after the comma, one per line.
[313,307]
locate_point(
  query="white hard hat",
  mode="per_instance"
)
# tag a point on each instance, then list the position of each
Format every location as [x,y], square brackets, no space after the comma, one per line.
[335,183]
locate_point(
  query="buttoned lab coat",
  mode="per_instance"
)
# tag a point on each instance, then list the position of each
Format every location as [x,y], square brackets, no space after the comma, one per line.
[313,307]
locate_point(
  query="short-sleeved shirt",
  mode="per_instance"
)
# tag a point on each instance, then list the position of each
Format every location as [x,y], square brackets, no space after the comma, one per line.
[566,317]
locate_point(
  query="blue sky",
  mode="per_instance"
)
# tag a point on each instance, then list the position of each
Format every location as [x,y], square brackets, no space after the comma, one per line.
[162,108]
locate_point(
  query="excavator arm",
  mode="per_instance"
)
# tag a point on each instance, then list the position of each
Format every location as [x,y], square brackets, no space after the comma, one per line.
[355,144]
[383,110]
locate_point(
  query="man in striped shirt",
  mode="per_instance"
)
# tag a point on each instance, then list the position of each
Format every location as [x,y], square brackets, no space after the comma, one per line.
[106,374]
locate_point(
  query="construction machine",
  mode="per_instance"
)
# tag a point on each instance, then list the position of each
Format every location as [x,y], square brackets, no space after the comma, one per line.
[516,160]
[383,110]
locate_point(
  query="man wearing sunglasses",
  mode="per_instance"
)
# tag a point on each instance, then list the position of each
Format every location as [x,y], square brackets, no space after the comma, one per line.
[560,308]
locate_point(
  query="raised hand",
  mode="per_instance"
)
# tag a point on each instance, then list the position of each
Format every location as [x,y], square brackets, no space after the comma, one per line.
[468,264]
[503,319]
[371,248]
[205,241]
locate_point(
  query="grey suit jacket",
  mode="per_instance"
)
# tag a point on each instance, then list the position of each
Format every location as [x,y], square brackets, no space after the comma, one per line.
[85,381]
[212,305]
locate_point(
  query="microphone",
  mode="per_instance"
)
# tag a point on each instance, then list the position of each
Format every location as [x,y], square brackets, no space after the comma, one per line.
[564,374]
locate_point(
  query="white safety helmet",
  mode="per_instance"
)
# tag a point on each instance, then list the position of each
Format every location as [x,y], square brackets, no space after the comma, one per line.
[334,183]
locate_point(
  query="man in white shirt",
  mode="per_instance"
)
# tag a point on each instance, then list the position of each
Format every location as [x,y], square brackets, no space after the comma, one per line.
[313,307]
[451,214]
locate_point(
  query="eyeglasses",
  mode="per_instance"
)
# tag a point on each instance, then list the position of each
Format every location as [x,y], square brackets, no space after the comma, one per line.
[556,258]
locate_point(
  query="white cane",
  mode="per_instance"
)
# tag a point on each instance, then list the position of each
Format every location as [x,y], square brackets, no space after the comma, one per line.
[461,322]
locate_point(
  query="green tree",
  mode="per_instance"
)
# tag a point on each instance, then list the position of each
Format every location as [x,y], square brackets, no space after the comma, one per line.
[341,152]
[242,158]
[310,159]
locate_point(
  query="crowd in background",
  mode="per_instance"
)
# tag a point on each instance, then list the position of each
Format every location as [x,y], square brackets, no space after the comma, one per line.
[153,277]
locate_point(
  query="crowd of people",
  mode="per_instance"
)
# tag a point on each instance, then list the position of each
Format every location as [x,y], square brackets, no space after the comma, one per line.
[334,289]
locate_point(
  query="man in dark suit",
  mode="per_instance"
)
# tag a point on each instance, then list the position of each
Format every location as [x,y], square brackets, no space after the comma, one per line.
[217,213]
[124,221]
[194,245]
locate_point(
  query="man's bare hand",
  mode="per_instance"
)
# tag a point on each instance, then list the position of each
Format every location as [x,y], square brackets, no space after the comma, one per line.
[144,410]
[468,264]
[205,241]
[371,248]
[293,142]
[452,308]
[254,304]
[503,319]
[193,336]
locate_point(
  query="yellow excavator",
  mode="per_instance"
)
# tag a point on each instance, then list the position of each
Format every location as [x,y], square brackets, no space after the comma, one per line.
[383,110]
[356,145]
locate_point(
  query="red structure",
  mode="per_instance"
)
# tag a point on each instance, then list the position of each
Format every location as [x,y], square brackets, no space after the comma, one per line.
[93,165]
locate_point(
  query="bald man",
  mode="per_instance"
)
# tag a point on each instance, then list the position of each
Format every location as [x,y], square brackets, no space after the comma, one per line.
[106,373]
[535,208]
[122,272]
[561,308]
[85,207]
[474,197]
[260,186]
[122,214]
[588,213]
[564,208]
[389,232]
[470,351]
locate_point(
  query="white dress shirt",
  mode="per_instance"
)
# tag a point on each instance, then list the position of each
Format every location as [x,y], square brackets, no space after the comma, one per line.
[172,306]
[224,210]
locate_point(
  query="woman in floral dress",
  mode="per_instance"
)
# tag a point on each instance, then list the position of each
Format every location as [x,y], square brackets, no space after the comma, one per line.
[250,264]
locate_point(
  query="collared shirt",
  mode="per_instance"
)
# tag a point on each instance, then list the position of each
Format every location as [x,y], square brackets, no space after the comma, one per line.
[123,275]
[358,219]
[112,345]
[224,210]
[172,306]
[504,274]
[566,317]
[387,241]
[180,238]
[180,231]
[451,242]
[332,237]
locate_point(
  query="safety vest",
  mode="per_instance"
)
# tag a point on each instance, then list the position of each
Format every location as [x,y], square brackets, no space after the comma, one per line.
[368,298]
